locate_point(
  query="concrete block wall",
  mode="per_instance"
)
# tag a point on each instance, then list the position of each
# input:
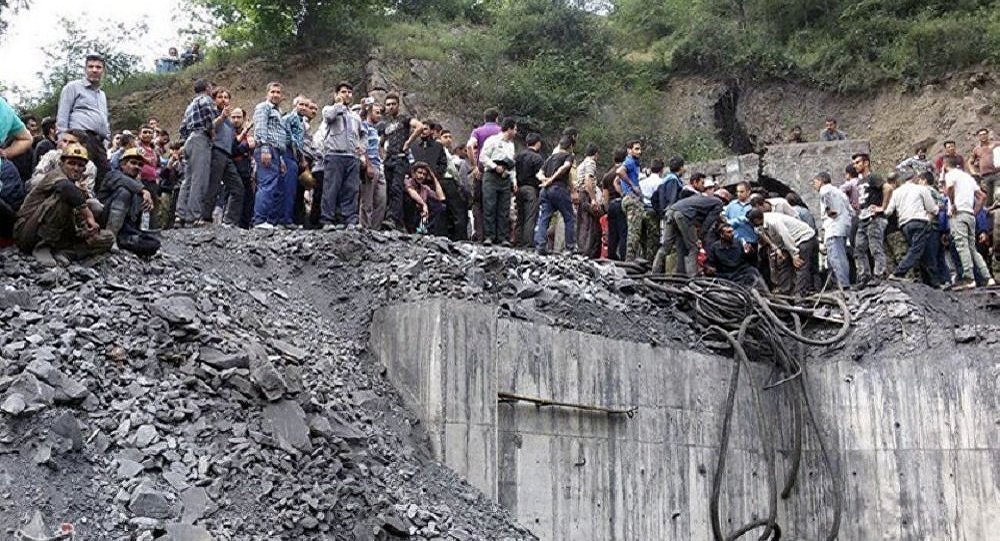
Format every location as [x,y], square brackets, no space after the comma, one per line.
[916,440]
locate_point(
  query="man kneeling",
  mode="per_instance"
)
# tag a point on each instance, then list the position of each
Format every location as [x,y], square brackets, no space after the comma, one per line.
[55,215]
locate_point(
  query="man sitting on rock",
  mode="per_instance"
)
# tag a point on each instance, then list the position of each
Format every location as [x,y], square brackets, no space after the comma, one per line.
[729,258]
[425,191]
[55,215]
[125,197]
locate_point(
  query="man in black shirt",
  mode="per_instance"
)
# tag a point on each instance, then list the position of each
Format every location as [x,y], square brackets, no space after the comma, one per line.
[556,196]
[47,141]
[869,241]
[728,259]
[398,132]
[526,165]
[689,221]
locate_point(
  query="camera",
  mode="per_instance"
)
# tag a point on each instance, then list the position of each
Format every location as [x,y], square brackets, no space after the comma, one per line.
[367,101]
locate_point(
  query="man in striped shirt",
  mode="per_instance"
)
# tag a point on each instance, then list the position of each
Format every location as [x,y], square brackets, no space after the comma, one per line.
[197,130]
[272,143]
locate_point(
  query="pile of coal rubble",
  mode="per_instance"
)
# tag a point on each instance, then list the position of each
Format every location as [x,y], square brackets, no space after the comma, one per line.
[222,391]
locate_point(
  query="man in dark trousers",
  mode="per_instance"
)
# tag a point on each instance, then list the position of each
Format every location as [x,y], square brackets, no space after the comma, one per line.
[84,106]
[526,166]
[689,221]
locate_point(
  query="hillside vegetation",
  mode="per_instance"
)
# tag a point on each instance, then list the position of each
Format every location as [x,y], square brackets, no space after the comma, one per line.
[603,66]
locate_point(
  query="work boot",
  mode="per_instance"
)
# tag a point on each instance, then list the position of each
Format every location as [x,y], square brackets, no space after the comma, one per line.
[116,217]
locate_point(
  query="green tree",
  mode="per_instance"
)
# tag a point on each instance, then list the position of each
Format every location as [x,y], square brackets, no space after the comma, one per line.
[8,7]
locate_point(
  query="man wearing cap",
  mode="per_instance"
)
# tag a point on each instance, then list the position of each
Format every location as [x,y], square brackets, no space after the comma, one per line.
[791,244]
[55,215]
[125,197]
[84,106]
[197,130]
[914,205]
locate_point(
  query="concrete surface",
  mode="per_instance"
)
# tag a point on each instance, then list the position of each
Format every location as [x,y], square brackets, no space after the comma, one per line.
[727,171]
[795,165]
[917,438]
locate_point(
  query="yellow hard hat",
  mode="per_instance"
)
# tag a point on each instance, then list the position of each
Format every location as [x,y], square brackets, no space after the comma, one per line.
[75,151]
[132,154]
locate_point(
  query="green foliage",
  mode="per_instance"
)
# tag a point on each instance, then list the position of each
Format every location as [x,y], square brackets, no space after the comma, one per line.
[844,45]
[636,112]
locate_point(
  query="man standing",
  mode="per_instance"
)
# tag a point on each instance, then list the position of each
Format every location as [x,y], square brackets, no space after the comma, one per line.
[84,106]
[271,139]
[950,150]
[589,206]
[628,175]
[966,199]
[296,123]
[242,156]
[497,163]
[918,162]
[456,203]
[474,148]
[345,142]
[792,244]
[649,185]
[398,131]
[837,215]
[874,193]
[556,196]
[48,139]
[671,190]
[372,189]
[527,164]
[983,164]
[426,149]
[223,170]
[55,215]
[830,131]
[915,206]
[197,132]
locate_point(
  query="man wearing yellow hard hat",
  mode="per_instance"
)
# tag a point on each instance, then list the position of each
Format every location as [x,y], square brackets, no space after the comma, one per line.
[55,220]
[125,198]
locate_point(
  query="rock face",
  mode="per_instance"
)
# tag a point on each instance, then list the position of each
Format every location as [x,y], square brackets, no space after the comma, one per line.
[795,165]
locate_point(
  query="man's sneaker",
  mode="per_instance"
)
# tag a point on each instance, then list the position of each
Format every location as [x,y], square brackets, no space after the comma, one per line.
[488,242]
[897,278]
[963,285]
[264,225]
[991,282]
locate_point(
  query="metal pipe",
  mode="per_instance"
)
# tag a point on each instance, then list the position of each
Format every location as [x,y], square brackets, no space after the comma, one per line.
[539,402]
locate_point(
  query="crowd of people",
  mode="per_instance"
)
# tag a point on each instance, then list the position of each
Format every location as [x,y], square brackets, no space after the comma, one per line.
[71,188]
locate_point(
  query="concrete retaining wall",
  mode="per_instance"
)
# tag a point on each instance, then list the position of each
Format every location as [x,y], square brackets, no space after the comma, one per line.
[917,441]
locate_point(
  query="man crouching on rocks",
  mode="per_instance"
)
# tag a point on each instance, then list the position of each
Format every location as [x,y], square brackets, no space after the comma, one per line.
[125,197]
[55,214]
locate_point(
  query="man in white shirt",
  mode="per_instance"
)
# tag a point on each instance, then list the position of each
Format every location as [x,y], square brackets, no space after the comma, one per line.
[914,204]
[791,245]
[837,215]
[497,163]
[966,199]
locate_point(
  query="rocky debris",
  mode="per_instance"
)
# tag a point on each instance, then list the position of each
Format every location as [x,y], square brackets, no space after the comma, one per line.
[191,397]
[238,399]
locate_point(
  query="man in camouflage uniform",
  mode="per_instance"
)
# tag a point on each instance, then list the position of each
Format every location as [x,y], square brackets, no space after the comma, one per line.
[55,215]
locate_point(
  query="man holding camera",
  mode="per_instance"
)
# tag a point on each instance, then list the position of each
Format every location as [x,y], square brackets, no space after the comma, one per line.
[497,162]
